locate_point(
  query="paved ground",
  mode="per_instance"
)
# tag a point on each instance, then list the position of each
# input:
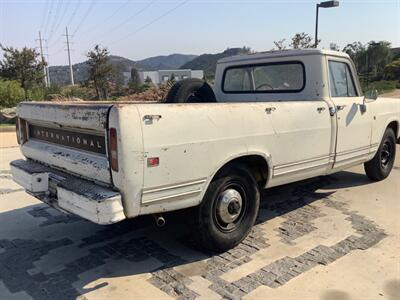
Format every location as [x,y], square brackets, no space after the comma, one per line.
[8,139]
[330,238]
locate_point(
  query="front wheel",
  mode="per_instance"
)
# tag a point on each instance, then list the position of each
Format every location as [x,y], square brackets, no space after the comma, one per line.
[382,164]
[228,210]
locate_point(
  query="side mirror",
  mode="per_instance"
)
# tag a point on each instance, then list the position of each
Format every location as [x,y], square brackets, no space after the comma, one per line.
[371,96]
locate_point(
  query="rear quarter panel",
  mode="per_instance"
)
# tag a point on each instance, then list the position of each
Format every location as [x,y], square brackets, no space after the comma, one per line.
[129,178]
[192,142]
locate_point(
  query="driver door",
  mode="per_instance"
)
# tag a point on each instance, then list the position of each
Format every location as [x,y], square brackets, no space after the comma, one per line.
[353,125]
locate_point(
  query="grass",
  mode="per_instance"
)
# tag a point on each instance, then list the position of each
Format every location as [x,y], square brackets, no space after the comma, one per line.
[382,86]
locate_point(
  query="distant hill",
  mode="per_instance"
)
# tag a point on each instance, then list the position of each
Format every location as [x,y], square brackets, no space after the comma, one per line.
[59,75]
[208,62]
[173,61]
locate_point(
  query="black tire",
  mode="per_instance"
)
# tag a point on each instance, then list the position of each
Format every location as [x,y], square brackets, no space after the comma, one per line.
[190,90]
[211,232]
[382,164]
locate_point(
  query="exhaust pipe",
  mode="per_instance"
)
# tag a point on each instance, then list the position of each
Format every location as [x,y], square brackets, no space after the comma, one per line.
[160,221]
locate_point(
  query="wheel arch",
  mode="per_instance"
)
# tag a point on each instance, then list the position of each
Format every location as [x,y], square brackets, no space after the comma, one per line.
[258,163]
[395,126]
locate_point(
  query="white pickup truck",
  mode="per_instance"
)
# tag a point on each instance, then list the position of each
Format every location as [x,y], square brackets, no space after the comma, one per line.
[271,119]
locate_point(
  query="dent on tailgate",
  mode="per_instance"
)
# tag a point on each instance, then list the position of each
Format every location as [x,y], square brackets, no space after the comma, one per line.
[85,115]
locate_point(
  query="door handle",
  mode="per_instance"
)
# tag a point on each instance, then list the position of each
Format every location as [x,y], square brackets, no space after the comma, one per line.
[268,110]
[340,107]
[320,109]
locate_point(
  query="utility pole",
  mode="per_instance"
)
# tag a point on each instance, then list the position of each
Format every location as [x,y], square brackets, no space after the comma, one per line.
[45,78]
[71,72]
[47,67]
[48,71]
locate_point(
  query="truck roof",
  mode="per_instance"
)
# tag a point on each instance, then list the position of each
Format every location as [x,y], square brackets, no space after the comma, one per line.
[281,53]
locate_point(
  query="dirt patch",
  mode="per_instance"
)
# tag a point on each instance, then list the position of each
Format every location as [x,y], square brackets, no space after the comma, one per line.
[394,94]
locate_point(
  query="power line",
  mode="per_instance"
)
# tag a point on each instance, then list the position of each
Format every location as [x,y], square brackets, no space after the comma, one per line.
[84,17]
[58,51]
[64,11]
[74,12]
[49,15]
[44,14]
[152,21]
[72,16]
[130,18]
[95,28]
[56,17]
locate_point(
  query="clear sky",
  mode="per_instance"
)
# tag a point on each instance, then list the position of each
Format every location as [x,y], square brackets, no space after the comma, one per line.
[138,29]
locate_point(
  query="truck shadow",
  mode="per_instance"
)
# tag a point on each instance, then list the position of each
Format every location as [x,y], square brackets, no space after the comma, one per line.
[49,255]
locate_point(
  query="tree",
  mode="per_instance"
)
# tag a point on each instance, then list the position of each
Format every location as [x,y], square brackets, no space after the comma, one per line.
[334,47]
[134,81]
[11,93]
[392,70]
[353,49]
[379,55]
[370,60]
[302,40]
[357,52]
[148,80]
[246,50]
[100,71]
[280,45]
[24,66]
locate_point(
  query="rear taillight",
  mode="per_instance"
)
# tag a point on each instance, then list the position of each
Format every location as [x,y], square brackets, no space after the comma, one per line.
[113,149]
[22,131]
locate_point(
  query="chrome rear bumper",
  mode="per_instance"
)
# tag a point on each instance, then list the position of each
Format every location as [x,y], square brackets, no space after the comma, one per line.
[69,193]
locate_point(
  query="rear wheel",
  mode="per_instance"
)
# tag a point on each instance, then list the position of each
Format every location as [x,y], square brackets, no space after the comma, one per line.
[382,164]
[228,210]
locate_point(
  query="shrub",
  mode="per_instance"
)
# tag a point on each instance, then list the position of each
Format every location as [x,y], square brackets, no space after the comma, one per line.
[382,86]
[76,91]
[392,70]
[11,93]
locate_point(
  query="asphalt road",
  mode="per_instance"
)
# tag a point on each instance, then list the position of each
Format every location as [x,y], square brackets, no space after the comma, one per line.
[330,238]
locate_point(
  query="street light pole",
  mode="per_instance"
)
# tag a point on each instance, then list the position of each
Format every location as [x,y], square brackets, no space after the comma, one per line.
[316,26]
[325,4]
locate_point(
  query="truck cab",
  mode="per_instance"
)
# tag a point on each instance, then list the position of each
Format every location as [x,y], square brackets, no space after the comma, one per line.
[312,95]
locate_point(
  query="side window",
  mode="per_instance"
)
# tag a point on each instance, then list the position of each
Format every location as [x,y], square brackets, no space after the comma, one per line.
[341,81]
[238,80]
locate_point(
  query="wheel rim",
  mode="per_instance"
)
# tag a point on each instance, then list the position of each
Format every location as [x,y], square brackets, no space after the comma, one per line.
[230,207]
[386,154]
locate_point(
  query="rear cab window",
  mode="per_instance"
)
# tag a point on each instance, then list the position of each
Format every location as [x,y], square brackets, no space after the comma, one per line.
[277,77]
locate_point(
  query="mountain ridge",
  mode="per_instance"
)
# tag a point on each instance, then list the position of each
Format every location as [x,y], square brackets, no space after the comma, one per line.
[59,75]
